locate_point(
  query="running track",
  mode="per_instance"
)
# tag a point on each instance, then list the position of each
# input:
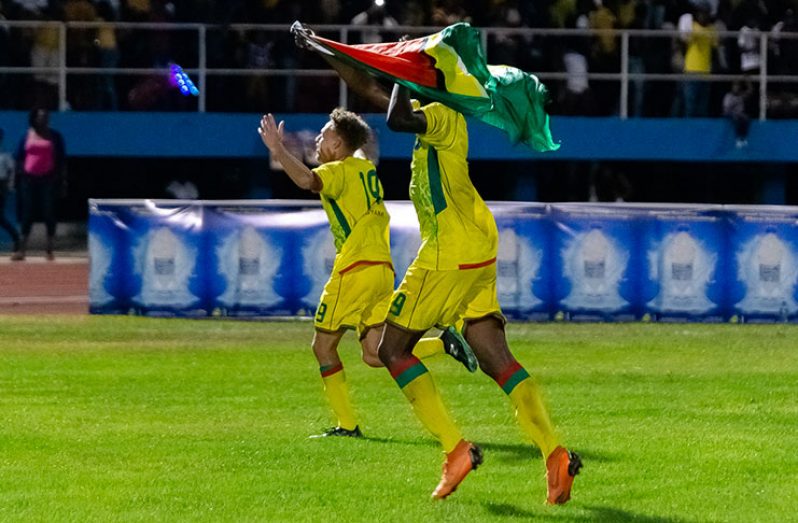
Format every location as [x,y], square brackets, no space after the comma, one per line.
[38,286]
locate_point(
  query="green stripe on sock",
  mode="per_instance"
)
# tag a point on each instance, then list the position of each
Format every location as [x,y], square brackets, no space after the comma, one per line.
[519,376]
[410,374]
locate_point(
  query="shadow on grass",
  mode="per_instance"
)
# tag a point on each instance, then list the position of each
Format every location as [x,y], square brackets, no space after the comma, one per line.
[396,441]
[596,514]
[519,451]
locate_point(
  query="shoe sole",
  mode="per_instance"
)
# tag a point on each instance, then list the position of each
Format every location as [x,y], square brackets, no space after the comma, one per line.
[471,363]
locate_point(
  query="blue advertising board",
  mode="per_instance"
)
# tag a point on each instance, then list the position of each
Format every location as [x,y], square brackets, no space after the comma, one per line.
[684,274]
[764,263]
[596,261]
[579,262]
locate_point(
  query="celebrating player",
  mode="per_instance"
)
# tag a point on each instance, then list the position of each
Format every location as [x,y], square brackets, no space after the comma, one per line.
[358,292]
[458,253]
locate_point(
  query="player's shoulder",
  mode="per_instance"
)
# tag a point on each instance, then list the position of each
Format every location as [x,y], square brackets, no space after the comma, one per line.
[352,165]
[330,166]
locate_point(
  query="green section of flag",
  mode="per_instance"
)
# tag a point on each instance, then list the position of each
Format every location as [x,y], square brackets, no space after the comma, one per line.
[501,96]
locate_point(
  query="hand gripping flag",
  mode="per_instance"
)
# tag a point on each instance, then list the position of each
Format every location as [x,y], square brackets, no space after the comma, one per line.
[450,67]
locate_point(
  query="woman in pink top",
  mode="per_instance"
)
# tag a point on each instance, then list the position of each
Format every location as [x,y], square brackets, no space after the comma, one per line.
[40,168]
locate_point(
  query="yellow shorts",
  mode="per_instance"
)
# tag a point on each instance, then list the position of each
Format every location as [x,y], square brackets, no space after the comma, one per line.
[428,298]
[356,299]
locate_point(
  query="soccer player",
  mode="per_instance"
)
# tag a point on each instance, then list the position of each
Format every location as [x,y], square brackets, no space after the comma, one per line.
[358,292]
[453,281]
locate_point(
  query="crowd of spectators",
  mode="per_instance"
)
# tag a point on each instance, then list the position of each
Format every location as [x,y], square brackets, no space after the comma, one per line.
[695,46]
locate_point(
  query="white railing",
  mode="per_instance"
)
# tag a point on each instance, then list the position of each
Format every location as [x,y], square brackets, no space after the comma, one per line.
[344,32]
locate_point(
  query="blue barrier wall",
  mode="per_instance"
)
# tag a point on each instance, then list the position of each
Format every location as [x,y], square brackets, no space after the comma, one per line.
[561,261]
[222,135]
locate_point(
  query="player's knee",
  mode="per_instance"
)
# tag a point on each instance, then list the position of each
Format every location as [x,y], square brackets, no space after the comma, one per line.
[324,352]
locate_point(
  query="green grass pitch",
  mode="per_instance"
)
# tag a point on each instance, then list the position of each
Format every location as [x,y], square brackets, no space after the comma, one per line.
[133,419]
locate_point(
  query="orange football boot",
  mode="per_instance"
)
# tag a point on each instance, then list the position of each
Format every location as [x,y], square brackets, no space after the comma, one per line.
[463,459]
[561,467]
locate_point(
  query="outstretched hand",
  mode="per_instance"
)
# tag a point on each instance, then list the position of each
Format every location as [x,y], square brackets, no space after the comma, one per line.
[270,132]
[301,33]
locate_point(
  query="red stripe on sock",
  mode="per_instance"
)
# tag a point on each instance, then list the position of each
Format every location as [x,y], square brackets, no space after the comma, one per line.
[400,366]
[507,373]
[332,370]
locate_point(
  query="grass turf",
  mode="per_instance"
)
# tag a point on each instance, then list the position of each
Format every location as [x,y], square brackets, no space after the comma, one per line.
[114,418]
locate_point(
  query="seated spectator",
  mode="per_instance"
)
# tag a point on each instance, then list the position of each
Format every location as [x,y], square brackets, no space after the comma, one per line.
[734,108]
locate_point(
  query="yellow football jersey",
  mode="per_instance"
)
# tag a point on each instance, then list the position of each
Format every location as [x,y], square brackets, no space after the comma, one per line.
[458,230]
[352,197]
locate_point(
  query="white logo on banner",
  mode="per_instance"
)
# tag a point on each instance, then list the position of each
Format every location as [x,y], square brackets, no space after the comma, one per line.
[767,267]
[318,258]
[249,265]
[595,266]
[684,270]
[100,256]
[517,266]
[165,265]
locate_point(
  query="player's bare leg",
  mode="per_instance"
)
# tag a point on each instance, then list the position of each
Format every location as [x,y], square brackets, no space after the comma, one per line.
[370,343]
[449,342]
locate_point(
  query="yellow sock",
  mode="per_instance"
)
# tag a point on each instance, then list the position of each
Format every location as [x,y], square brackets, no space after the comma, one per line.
[338,395]
[417,385]
[530,411]
[428,347]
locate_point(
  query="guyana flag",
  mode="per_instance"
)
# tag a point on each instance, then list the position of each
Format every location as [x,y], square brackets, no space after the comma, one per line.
[450,67]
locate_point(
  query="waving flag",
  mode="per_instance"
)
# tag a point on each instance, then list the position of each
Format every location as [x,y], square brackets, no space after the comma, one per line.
[450,67]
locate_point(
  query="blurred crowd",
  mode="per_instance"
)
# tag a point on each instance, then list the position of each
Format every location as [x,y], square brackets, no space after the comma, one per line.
[696,45]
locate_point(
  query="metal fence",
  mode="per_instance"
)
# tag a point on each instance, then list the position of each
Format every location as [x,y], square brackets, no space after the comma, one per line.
[189,45]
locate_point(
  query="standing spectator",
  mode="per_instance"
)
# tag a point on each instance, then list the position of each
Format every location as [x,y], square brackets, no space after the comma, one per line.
[414,12]
[41,161]
[79,53]
[701,40]
[259,57]
[44,53]
[6,176]
[5,51]
[29,9]
[374,15]
[785,50]
[633,15]
[505,47]
[448,12]
[576,98]
[734,108]
[137,10]
[109,55]
[748,42]
[606,54]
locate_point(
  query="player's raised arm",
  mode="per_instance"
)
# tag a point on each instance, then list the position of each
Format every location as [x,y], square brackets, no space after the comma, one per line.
[401,115]
[272,135]
[360,82]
